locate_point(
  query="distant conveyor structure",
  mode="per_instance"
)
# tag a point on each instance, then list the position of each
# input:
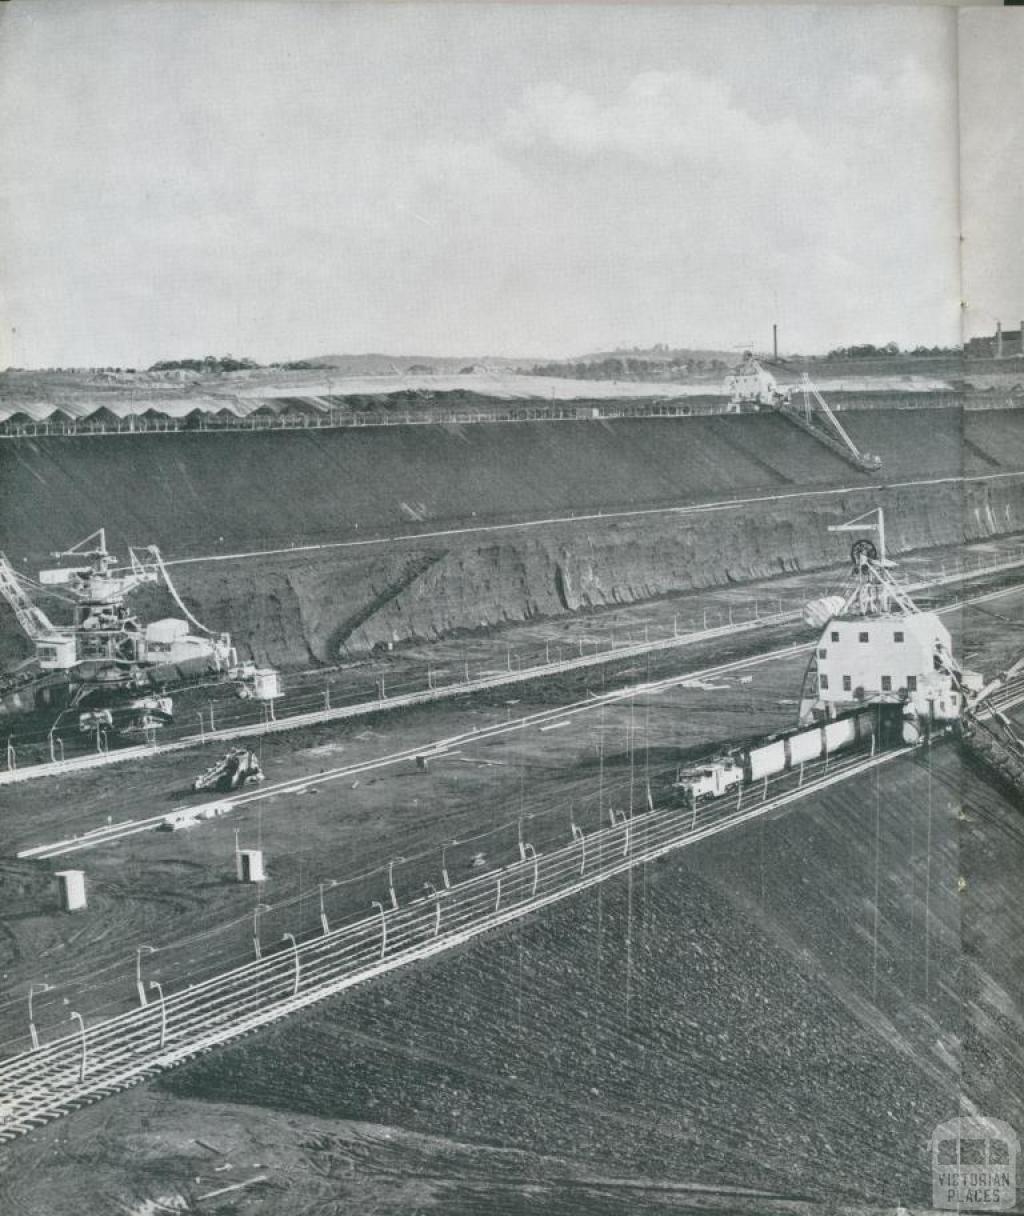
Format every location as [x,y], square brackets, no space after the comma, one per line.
[750,383]
[836,439]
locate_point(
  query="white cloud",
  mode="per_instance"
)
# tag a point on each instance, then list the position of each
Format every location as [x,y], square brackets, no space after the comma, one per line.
[658,117]
[909,90]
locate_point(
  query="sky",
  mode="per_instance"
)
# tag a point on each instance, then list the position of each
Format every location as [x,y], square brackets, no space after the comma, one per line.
[279,180]
[992,154]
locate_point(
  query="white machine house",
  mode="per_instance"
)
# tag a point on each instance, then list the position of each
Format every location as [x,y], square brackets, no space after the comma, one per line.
[877,646]
[750,383]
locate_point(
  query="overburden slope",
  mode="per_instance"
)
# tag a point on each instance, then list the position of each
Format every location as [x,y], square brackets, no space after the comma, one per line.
[457,496]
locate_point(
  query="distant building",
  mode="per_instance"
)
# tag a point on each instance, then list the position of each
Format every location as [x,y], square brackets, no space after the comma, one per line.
[1000,345]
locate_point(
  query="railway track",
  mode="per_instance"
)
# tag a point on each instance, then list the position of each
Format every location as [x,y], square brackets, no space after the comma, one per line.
[92,1062]
[119,831]
[437,747]
[421,696]
[1008,697]
[401,700]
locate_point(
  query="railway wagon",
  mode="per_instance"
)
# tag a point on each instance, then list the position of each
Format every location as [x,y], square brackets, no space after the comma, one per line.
[878,722]
[857,729]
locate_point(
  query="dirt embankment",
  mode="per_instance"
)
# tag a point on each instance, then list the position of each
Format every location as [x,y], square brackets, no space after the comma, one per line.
[731,1016]
[292,609]
[196,494]
[217,493]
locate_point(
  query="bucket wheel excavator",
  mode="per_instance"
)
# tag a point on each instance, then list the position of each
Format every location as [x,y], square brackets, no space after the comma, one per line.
[102,659]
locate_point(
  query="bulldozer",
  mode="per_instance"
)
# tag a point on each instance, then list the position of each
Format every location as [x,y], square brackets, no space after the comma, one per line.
[238,767]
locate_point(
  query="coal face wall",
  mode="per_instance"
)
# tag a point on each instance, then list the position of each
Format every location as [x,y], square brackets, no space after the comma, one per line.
[291,609]
[209,494]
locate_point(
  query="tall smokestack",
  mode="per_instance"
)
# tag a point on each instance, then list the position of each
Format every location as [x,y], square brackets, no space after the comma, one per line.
[999,339]
[1022,337]
[775,340]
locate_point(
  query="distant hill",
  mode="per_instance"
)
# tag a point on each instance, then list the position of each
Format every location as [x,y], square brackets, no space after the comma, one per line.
[384,365]
[662,353]
[657,363]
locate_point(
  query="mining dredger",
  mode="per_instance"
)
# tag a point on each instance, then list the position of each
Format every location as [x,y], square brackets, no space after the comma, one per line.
[882,673]
[105,661]
[877,646]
